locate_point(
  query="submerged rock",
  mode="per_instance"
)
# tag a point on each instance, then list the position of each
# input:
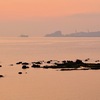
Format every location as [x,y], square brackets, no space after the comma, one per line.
[11,65]
[49,62]
[87,59]
[97,61]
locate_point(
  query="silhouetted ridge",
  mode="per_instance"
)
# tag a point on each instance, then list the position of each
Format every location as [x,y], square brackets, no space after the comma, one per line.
[76,34]
[84,34]
[55,34]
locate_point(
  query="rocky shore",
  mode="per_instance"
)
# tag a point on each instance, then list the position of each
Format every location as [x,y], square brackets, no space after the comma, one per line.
[65,65]
[62,65]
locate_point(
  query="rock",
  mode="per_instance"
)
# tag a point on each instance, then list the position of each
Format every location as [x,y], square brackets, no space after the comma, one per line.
[97,61]
[24,67]
[38,62]
[48,62]
[35,66]
[64,62]
[1,76]
[68,69]
[87,59]
[25,63]
[19,72]
[19,63]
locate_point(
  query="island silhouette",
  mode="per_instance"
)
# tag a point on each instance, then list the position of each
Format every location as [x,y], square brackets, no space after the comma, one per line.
[76,34]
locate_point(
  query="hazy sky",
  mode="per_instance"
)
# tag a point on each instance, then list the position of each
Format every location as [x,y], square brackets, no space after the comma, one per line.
[39,17]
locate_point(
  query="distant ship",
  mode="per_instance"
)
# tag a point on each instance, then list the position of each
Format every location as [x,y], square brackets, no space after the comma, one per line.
[24,35]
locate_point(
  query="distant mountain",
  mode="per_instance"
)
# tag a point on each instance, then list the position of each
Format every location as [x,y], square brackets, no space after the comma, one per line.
[76,34]
[84,34]
[55,34]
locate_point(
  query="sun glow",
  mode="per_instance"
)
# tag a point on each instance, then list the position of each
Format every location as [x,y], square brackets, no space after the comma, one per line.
[19,9]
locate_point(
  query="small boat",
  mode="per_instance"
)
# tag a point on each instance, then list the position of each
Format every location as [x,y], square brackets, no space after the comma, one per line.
[24,35]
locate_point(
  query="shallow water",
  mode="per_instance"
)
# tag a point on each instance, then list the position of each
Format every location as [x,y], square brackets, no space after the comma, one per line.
[41,84]
[48,84]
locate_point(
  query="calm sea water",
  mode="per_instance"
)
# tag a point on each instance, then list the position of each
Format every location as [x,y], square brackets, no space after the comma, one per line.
[48,84]
[14,49]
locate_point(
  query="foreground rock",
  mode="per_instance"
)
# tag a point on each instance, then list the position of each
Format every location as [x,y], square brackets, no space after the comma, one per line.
[19,72]
[63,65]
[1,76]
[19,63]
[25,63]
[35,66]
[68,69]
[24,67]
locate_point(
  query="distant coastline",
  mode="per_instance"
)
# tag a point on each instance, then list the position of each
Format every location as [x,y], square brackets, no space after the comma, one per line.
[55,34]
[76,34]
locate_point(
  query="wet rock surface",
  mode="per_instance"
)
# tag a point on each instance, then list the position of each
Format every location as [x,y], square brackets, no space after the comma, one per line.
[65,65]
[24,67]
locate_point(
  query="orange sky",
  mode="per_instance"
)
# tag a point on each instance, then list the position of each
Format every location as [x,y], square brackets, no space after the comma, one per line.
[20,9]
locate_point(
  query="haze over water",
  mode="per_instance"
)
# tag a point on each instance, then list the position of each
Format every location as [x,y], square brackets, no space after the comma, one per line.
[48,84]
[41,48]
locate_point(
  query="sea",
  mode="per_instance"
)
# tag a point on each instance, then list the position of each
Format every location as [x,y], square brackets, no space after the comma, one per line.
[48,84]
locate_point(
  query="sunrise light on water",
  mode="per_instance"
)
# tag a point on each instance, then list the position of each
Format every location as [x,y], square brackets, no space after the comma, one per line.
[49,50]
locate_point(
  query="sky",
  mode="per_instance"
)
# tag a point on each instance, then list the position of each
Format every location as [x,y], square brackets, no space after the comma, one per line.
[39,17]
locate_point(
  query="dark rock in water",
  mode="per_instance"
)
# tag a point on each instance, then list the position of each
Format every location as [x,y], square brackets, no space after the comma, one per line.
[46,67]
[19,63]
[68,69]
[64,62]
[87,59]
[0,65]
[94,66]
[24,67]
[19,72]
[25,63]
[35,66]
[52,66]
[48,62]
[38,62]
[78,61]
[1,76]
[97,61]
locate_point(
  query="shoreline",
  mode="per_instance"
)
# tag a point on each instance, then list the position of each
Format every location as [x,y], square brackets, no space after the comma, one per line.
[65,65]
